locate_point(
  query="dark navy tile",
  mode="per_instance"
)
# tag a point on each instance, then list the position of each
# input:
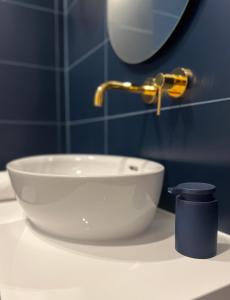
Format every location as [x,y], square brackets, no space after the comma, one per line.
[62,102]
[60,5]
[70,2]
[86,27]
[84,80]
[192,45]
[61,138]
[61,41]
[44,3]
[27,94]
[87,138]
[193,143]
[27,35]
[23,140]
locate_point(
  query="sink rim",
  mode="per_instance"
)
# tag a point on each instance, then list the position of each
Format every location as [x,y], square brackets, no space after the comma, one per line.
[12,166]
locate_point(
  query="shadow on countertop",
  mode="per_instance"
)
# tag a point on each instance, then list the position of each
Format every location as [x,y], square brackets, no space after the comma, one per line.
[221,294]
[155,244]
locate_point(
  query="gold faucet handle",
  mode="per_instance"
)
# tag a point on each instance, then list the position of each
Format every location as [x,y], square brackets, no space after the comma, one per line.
[156,98]
[175,84]
[159,100]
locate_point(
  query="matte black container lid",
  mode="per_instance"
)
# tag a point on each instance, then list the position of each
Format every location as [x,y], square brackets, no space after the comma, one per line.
[196,189]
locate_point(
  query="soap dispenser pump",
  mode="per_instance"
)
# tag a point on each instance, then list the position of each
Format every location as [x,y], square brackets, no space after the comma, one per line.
[196,219]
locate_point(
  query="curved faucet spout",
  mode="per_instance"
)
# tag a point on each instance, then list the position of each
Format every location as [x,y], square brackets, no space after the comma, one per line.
[174,84]
[147,90]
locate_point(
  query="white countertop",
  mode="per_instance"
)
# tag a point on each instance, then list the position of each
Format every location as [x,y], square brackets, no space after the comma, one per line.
[36,267]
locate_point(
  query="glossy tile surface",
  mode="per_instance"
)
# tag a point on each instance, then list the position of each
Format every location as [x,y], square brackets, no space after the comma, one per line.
[25,140]
[87,138]
[31,97]
[84,79]
[86,27]
[15,34]
[27,94]
[44,3]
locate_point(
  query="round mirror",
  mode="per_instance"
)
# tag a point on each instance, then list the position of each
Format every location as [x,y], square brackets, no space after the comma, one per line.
[139,28]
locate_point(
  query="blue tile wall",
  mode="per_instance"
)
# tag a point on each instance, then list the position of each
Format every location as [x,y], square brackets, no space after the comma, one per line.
[94,141]
[27,94]
[83,80]
[22,27]
[85,27]
[186,142]
[24,140]
[31,78]
[191,138]
[40,4]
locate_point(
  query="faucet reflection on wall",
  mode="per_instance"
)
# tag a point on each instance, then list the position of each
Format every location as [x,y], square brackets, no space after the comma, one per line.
[175,84]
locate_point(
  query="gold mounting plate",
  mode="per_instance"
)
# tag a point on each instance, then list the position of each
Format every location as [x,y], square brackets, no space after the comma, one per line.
[183,78]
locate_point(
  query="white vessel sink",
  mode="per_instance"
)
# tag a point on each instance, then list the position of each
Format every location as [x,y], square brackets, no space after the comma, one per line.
[87,197]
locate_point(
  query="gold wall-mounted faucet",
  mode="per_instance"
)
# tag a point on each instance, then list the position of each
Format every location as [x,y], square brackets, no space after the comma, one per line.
[174,84]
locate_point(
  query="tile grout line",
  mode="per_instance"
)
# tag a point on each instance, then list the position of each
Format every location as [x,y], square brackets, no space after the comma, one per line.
[69,7]
[29,122]
[86,121]
[57,75]
[31,6]
[106,76]
[143,112]
[54,68]
[28,65]
[87,55]
[67,83]
[118,116]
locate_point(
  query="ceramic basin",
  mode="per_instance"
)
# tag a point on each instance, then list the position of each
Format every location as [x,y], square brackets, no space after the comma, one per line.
[87,197]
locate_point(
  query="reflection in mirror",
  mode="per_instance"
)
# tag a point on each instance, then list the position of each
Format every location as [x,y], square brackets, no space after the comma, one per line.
[139,28]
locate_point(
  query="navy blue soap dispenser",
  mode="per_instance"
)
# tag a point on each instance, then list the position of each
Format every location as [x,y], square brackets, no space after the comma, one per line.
[196,219]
